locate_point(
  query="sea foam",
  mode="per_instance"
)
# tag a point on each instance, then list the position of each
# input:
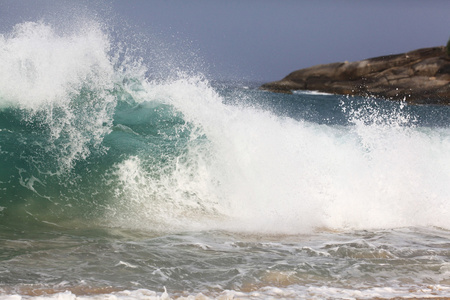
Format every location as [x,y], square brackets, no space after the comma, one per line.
[60,81]
[247,169]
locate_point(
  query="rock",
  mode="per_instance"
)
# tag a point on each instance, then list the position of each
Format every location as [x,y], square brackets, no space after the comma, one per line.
[421,75]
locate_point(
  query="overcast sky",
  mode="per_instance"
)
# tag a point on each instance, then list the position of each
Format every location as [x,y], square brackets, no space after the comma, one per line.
[265,40]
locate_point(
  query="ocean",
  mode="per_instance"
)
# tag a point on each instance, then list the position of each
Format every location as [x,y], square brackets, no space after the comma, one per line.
[117,184]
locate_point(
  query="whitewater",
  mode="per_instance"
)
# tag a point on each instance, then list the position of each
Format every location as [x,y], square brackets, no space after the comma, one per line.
[119,184]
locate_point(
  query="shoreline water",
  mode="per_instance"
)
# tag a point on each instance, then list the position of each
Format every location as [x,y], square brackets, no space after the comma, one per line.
[280,267]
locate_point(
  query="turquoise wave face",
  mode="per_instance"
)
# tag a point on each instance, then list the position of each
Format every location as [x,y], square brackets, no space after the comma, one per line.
[77,118]
[52,175]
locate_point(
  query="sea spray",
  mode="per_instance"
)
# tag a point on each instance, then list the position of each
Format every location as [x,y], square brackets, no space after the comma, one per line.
[57,104]
[246,169]
[60,83]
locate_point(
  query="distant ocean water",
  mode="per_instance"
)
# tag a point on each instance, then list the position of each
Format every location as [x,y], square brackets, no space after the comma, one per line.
[114,185]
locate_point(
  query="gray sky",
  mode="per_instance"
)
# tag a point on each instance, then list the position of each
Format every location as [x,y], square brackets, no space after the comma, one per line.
[265,40]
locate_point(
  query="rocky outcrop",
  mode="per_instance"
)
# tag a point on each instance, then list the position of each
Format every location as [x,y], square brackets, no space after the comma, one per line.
[422,75]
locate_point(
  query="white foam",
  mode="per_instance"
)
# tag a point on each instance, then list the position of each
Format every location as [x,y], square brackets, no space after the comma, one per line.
[41,67]
[44,72]
[259,172]
[307,92]
[291,292]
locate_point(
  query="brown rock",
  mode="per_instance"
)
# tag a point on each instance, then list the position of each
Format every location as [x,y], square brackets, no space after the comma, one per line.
[421,75]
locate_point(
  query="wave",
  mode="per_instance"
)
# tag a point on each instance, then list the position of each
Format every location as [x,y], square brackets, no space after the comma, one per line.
[88,140]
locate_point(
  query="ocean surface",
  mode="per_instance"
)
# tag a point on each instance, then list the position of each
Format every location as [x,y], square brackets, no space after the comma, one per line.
[116,184]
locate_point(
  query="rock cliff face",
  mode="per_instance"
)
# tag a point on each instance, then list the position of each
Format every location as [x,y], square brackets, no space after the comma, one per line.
[422,75]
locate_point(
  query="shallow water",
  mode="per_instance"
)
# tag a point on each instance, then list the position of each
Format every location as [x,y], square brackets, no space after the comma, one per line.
[361,264]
